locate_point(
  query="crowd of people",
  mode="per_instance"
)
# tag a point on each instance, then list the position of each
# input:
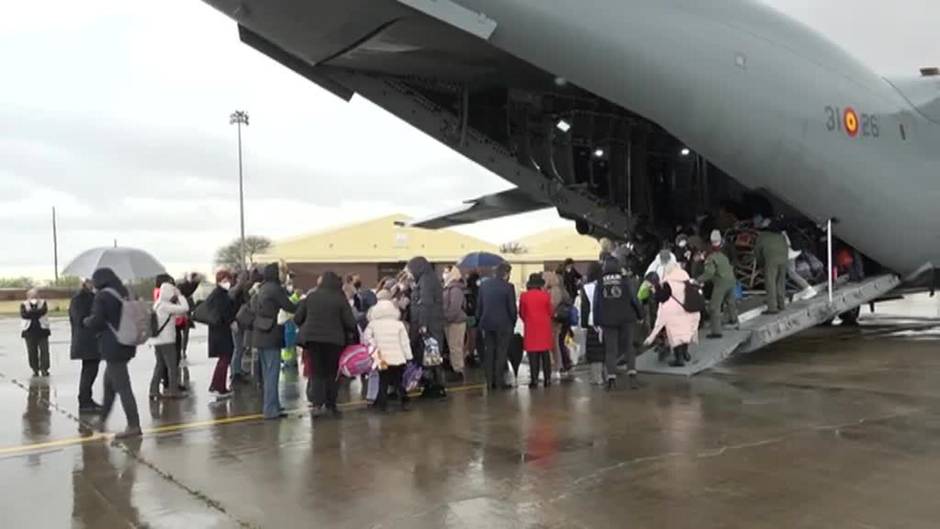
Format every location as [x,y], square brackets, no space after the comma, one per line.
[419,329]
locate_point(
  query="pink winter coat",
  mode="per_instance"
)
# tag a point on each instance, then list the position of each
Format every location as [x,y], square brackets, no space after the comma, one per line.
[681,326]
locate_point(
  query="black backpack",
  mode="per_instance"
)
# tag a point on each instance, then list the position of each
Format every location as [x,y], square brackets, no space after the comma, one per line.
[563,312]
[694,299]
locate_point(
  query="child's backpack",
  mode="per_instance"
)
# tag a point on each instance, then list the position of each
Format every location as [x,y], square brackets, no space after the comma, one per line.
[432,352]
[355,361]
[412,377]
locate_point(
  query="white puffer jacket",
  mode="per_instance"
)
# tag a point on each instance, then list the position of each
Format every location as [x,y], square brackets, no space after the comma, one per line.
[387,334]
[166,312]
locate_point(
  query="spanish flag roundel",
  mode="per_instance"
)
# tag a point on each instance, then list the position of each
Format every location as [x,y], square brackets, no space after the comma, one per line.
[850,119]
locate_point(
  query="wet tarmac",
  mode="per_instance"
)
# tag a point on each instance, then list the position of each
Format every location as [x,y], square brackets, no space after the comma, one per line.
[837,428]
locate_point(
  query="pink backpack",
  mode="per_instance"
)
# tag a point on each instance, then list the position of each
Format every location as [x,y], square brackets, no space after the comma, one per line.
[354,361]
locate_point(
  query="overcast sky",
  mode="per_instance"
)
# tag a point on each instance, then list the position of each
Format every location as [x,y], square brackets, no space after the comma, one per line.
[116,112]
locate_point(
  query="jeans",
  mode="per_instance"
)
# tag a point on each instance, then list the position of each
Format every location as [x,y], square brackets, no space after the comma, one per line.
[796,277]
[271,374]
[117,382]
[166,363]
[495,352]
[87,381]
[391,377]
[37,348]
[722,296]
[237,367]
[325,388]
[617,340]
[181,338]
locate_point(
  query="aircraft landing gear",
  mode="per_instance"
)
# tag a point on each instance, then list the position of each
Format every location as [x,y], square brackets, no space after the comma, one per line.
[850,318]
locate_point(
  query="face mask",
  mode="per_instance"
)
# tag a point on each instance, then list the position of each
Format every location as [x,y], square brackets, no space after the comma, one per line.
[226,285]
[290,289]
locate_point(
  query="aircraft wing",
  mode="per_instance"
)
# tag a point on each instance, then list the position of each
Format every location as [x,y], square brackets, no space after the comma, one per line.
[487,207]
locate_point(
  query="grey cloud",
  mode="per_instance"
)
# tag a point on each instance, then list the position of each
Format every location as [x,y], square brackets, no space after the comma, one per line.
[126,160]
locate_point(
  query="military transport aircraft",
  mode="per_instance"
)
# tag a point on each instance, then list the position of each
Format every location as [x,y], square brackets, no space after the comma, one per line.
[603,108]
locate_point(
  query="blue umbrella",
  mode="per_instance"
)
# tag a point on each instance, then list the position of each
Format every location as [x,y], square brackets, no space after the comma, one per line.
[480,260]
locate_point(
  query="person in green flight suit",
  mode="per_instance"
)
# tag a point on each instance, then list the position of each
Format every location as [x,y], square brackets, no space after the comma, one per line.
[720,273]
[772,252]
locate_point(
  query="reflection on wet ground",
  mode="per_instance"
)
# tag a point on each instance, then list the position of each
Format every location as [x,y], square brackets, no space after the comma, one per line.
[836,428]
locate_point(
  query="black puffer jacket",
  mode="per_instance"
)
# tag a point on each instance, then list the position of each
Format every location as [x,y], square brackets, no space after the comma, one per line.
[271,298]
[221,341]
[106,314]
[84,341]
[427,299]
[325,316]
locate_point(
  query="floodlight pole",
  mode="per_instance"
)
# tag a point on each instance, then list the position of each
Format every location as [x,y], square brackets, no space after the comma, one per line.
[238,118]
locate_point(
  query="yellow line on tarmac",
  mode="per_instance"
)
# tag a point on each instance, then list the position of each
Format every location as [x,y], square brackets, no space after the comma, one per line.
[73,441]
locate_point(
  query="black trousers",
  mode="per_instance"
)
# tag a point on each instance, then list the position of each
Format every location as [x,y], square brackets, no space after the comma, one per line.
[37,348]
[117,382]
[617,341]
[391,377]
[87,381]
[325,387]
[540,361]
[495,353]
[566,363]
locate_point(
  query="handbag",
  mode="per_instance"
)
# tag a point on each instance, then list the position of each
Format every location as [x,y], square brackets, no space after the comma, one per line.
[264,323]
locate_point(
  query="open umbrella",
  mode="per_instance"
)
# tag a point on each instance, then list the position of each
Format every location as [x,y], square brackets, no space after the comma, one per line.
[129,264]
[480,260]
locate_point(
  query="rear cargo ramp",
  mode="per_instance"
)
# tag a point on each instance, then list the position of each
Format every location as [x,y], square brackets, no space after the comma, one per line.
[767,329]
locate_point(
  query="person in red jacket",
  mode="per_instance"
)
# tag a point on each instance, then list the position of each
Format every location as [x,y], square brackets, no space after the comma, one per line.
[535,309]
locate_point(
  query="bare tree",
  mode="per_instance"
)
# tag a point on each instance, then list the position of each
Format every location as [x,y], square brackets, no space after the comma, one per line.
[513,248]
[230,255]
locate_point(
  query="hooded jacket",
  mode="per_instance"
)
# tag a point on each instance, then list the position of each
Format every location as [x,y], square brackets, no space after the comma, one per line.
[659,266]
[106,314]
[681,327]
[427,299]
[454,300]
[615,302]
[84,341]
[166,310]
[388,335]
[271,298]
[325,316]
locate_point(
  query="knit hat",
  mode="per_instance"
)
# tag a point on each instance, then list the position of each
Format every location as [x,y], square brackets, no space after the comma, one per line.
[716,238]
